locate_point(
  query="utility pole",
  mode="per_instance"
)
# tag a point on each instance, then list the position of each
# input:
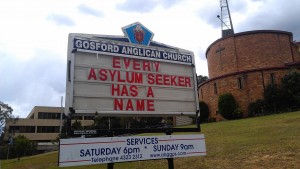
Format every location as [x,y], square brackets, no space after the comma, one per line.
[61,114]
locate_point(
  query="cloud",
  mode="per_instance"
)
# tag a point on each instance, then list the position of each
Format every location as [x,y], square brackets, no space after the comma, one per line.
[209,12]
[256,15]
[39,81]
[137,6]
[274,15]
[238,6]
[90,11]
[201,54]
[61,20]
[145,6]
[169,3]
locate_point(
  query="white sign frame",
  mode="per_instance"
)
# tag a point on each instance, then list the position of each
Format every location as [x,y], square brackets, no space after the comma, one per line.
[189,106]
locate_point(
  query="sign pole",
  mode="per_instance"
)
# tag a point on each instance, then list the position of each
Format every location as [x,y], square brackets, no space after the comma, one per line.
[110,134]
[110,165]
[171,163]
[7,152]
[170,160]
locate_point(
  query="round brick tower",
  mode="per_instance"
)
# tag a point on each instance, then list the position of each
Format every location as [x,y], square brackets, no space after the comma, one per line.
[244,64]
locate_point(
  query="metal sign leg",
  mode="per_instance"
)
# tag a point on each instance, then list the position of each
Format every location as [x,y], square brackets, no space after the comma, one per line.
[110,134]
[110,165]
[170,163]
[170,160]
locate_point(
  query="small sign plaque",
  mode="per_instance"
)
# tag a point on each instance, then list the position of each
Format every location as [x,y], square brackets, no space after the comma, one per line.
[85,132]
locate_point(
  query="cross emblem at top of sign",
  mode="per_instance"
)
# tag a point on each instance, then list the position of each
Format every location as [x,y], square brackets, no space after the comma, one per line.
[138,34]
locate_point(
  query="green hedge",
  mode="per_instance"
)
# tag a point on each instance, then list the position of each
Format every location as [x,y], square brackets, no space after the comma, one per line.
[228,107]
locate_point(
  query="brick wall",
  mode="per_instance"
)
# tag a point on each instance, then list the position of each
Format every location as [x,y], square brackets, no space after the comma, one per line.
[296,51]
[252,89]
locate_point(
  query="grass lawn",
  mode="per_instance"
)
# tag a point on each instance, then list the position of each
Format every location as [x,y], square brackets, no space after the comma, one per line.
[262,142]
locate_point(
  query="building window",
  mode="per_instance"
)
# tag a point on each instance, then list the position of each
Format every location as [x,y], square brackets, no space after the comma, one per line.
[22,129]
[89,117]
[48,129]
[77,117]
[48,115]
[240,83]
[215,88]
[272,78]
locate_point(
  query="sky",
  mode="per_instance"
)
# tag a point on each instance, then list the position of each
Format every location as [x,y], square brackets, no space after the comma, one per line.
[34,35]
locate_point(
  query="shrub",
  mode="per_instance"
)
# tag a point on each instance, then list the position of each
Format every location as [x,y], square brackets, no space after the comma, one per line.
[238,113]
[9,152]
[256,108]
[204,113]
[21,146]
[227,106]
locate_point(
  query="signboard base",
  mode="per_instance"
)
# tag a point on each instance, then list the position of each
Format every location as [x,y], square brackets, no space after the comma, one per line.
[109,150]
[117,132]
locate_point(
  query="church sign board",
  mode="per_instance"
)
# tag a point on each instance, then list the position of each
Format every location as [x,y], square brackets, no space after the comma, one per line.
[129,75]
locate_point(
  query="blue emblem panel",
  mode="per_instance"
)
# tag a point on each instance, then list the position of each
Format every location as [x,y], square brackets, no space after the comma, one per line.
[138,34]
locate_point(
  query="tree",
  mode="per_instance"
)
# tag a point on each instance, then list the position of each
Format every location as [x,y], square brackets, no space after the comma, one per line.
[77,125]
[24,146]
[201,79]
[100,122]
[5,114]
[63,133]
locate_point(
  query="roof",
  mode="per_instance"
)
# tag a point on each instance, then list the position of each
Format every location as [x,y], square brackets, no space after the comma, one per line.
[249,33]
